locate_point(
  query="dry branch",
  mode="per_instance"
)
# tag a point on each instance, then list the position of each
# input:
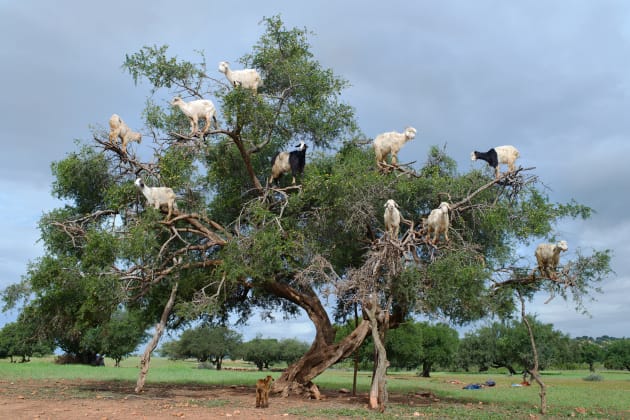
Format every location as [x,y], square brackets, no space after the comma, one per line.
[403,168]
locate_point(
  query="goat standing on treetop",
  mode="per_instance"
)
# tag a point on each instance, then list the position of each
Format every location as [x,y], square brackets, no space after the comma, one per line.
[195,110]
[390,143]
[500,154]
[246,78]
[119,129]
[284,162]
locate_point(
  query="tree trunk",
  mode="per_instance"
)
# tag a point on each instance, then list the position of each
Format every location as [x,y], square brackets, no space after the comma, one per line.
[510,369]
[426,369]
[236,138]
[145,360]
[534,371]
[356,356]
[378,390]
[323,353]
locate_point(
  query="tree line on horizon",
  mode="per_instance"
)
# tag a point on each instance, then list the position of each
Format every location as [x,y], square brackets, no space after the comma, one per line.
[420,346]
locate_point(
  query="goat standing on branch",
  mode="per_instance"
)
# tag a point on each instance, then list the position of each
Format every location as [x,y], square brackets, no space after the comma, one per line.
[500,154]
[246,78]
[195,110]
[119,129]
[284,162]
[548,257]
[158,196]
[392,218]
[438,222]
[391,143]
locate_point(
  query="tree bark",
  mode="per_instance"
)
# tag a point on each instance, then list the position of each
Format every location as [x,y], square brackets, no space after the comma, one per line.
[245,155]
[534,371]
[378,390]
[323,353]
[145,360]
[426,370]
[356,356]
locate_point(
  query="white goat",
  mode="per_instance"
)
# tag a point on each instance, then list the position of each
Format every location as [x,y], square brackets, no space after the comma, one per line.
[392,218]
[548,257]
[247,78]
[158,196]
[438,222]
[194,110]
[118,129]
[391,142]
[500,154]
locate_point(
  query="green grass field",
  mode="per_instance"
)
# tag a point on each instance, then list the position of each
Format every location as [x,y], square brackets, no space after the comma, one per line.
[568,394]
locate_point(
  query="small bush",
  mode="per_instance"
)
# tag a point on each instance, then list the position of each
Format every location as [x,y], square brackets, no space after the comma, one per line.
[205,365]
[594,378]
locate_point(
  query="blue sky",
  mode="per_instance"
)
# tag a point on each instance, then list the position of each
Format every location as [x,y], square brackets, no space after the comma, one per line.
[550,77]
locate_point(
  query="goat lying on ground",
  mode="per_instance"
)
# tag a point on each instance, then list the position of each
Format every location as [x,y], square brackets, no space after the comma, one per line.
[392,218]
[438,222]
[548,257]
[118,129]
[158,196]
[196,110]
[247,78]
[391,143]
[263,386]
[500,154]
[284,162]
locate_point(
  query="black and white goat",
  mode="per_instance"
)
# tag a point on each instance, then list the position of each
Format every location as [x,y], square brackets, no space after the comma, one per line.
[500,154]
[284,162]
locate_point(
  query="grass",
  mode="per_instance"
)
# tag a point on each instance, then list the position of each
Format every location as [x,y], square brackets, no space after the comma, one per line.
[568,394]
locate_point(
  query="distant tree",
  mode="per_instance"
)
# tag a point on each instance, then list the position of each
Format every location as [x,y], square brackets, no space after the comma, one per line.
[423,345]
[507,345]
[170,349]
[19,339]
[118,337]
[291,350]
[405,346]
[589,352]
[618,354]
[263,352]
[205,343]
[439,345]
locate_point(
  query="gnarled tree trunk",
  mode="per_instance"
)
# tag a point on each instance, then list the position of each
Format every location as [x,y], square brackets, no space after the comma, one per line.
[378,390]
[323,353]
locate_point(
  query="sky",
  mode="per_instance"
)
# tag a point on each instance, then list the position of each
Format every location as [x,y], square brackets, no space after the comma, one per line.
[549,77]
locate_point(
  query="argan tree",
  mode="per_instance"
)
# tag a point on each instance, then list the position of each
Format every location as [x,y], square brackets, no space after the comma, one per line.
[237,245]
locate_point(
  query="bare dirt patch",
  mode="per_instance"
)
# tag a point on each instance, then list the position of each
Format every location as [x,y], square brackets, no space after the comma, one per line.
[77,399]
